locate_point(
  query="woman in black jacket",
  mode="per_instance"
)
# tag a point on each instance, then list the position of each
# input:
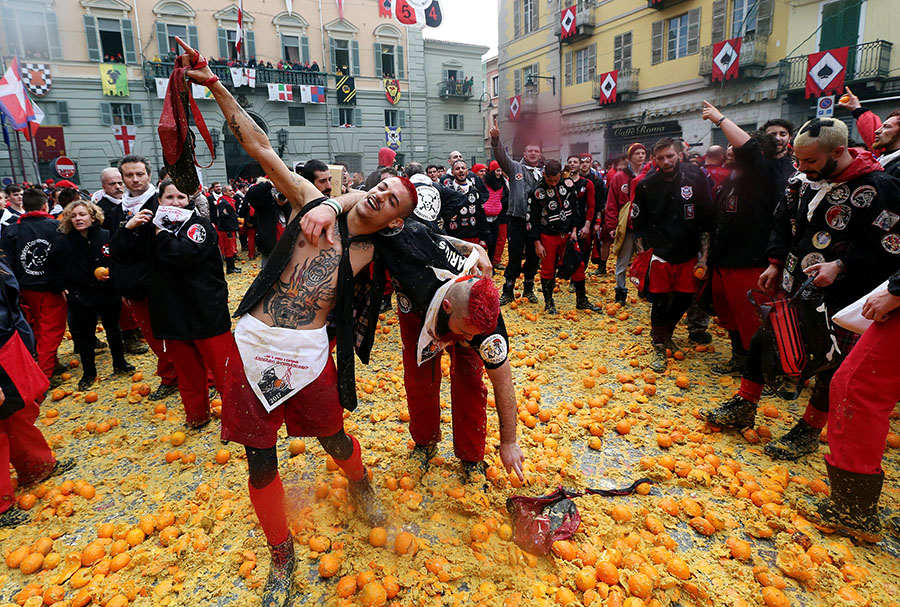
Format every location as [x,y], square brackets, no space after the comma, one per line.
[22,388]
[188,293]
[82,260]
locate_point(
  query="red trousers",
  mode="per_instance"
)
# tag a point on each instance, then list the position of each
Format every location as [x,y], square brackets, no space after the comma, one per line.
[501,244]
[193,361]
[864,391]
[126,319]
[468,394]
[23,446]
[227,244]
[555,246]
[251,242]
[46,313]
[165,369]
[729,293]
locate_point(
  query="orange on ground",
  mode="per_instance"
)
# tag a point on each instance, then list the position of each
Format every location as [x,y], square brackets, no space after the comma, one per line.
[377,536]
[329,565]
[222,456]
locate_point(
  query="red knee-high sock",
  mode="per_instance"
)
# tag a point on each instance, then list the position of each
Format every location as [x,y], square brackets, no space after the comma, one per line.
[750,390]
[353,466]
[269,505]
[814,417]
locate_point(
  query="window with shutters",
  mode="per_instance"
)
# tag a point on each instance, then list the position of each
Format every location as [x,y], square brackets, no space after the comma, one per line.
[529,16]
[174,18]
[342,55]
[173,31]
[55,112]
[387,61]
[527,72]
[296,116]
[453,122]
[743,17]
[517,82]
[111,45]
[290,49]
[495,86]
[622,51]
[683,35]
[33,32]
[391,118]
[585,64]
[122,113]
[346,115]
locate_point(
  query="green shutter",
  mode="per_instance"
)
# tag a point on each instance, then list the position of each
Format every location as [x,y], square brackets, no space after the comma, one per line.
[617,51]
[223,43]
[535,9]
[251,45]
[162,39]
[656,42]
[626,50]
[332,48]
[11,29]
[840,24]
[592,61]
[354,57]
[719,20]
[105,113]
[357,117]
[764,11]
[53,35]
[398,58]
[378,70]
[447,121]
[93,41]
[137,113]
[128,41]
[693,41]
[517,18]
[62,110]
[402,118]
[459,122]
[335,117]
[304,49]
[517,79]
[193,37]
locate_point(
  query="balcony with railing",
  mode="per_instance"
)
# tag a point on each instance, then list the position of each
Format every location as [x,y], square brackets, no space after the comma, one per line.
[626,85]
[866,63]
[456,89]
[264,76]
[752,58]
[584,27]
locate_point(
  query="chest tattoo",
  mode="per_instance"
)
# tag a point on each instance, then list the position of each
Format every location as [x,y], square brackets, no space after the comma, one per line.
[294,303]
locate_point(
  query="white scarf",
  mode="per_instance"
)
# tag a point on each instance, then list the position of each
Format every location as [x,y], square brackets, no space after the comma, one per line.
[822,188]
[133,204]
[884,159]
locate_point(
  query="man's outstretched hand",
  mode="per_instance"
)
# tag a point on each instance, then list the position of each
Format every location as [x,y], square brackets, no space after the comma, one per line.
[199,71]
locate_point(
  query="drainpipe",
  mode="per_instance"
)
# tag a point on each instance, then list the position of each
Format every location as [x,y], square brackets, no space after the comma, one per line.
[327,109]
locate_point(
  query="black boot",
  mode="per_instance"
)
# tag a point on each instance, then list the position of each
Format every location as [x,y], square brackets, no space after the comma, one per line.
[420,457]
[163,391]
[621,296]
[367,502]
[735,413]
[475,473]
[852,507]
[507,296]
[122,366]
[547,285]
[528,292]
[581,300]
[700,337]
[802,440]
[277,591]
[229,262]
[733,365]
[86,382]
[132,342]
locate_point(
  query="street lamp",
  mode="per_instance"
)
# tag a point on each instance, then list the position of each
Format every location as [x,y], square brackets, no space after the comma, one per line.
[531,83]
[481,99]
[214,136]
[282,141]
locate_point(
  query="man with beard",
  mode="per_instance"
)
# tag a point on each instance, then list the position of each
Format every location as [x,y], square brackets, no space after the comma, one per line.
[318,174]
[673,217]
[882,137]
[586,193]
[132,272]
[783,163]
[713,166]
[617,221]
[837,222]
[523,177]
[469,223]
[554,216]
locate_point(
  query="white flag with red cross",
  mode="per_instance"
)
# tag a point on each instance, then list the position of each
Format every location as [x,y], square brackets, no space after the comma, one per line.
[125,135]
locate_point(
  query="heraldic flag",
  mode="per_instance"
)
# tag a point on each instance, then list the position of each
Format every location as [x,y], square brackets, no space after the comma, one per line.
[346,90]
[726,59]
[825,72]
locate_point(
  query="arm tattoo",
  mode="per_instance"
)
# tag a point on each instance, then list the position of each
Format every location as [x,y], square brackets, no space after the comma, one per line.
[233,124]
[704,244]
[295,303]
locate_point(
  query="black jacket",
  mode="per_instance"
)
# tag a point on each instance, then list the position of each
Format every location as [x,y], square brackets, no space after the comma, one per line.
[469,222]
[857,222]
[671,215]
[745,210]
[188,293]
[226,215]
[553,210]
[268,215]
[76,257]
[113,213]
[599,197]
[27,245]
[131,272]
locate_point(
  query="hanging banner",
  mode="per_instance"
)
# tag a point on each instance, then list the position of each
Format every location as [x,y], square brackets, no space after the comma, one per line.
[825,73]
[346,88]
[567,20]
[393,137]
[198,91]
[418,13]
[125,135]
[162,85]
[384,8]
[311,93]
[50,143]
[609,84]
[36,77]
[515,108]
[392,90]
[114,78]
[280,92]
[726,59]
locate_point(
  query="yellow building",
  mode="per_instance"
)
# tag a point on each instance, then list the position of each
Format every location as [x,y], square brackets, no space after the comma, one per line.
[662,51]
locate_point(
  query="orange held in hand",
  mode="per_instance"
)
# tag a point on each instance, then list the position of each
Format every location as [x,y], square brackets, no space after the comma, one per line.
[101,273]
[699,272]
[844,99]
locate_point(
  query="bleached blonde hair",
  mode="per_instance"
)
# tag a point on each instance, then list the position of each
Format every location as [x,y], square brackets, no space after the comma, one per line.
[827,133]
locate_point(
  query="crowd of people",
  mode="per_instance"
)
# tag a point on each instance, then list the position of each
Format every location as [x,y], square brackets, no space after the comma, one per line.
[796,216]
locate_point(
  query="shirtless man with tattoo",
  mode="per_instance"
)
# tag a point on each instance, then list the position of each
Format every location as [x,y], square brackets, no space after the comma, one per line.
[280,368]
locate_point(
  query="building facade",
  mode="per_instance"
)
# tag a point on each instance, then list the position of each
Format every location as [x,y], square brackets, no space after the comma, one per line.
[662,53]
[490,100]
[81,44]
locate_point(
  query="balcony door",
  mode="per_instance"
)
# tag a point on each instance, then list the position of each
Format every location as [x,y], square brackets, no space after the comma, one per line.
[840,27]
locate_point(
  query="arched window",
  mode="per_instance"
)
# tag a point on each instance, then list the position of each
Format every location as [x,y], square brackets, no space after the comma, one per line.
[109,31]
[389,62]
[226,19]
[343,46]
[291,29]
[174,18]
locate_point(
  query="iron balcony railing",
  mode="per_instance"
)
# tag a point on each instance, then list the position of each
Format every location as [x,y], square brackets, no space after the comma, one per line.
[753,54]
[867,61]
[460,89]
[264,76]
[626,83]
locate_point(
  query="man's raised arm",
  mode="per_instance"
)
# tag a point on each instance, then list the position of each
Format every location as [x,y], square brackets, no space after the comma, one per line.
[500,153]
[248,133]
